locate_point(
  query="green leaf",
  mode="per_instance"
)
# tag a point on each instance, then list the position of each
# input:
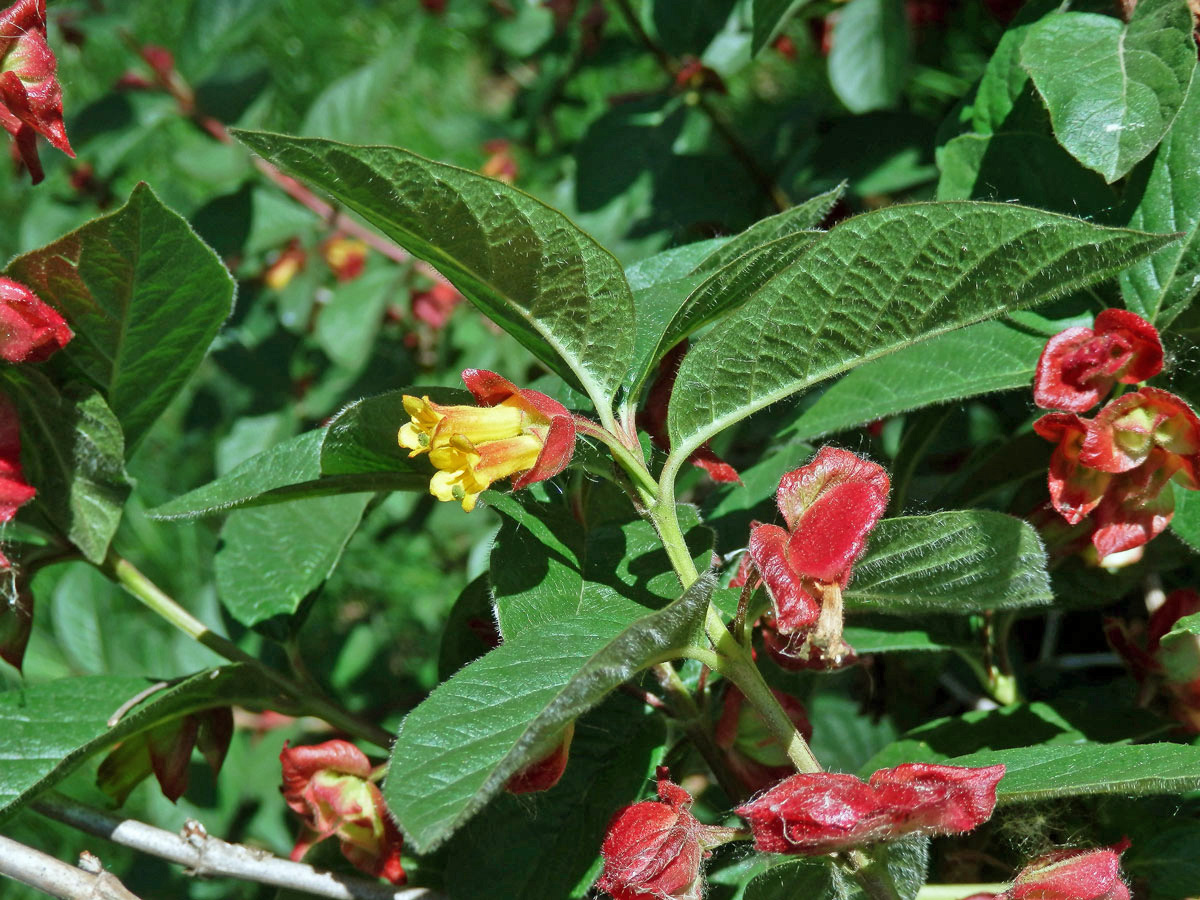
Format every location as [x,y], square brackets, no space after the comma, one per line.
[669,311]
[1112,89]
[74,453]
[671,265]
[616,568]
[884,634]
[869,55]
[361,439]
[769,17]
[878,283]
[803,217]
[990,356]
[547,845]
[349,323]
[904,863]
[145,297]
[273,557]
[1186,522]
[356,452]
[289,464]
[47,730]
[459,748]
[524,264]
[951,562]
[1020,166]
[1166,196]
[1048,771]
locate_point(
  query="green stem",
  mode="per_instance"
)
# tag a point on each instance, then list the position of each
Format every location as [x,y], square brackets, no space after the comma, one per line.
[732,660]
[958,891]
[126,574]
[633,464]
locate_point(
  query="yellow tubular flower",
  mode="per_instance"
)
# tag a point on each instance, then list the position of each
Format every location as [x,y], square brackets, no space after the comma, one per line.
[513,432]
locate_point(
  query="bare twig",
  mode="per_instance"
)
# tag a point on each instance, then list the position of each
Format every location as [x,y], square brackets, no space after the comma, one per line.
[57,878]
[206,855]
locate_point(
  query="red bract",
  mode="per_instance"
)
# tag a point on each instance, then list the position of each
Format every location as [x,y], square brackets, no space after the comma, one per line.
[797,652]
[30,331]
[1129,429]
[14,491]
[1075,489]
[327,785]
[166,751]
[752,752]
[1173,669]
[1072,874]
[1136,507]
[654,849]
[813,814]
[30,95]
[546,771]
[653,419]
[1080,365]
[830,507]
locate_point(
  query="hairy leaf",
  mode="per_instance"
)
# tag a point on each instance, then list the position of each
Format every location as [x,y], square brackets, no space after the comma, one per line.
[801,217]
[459,748]
[272,557]
[74,454]
[878,283]
[145,297]
[952,562]
[1186,522]
[616,568]
[49,729]
[548,844]
[1112,89]
[990,356]
[1166,196]
[524,264]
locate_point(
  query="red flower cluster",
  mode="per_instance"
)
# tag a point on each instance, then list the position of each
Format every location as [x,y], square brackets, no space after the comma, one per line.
[813,814]
[30,95]
[1072,874]
[166,751]
[328,786]
[752,752]
[830,507]
[1115,467]
[1173,669]
[654,849]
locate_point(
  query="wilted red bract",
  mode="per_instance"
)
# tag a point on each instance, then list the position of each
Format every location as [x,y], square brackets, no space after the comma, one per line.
[1080,365]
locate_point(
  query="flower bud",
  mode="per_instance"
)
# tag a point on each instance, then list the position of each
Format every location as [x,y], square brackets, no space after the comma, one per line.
[1079,366]
[30,95]
[1072,874]
[434,306]
[1161,663]
[327,786]
[655,848]
[818,813]
[30,331]
[515,431]
[545,772]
